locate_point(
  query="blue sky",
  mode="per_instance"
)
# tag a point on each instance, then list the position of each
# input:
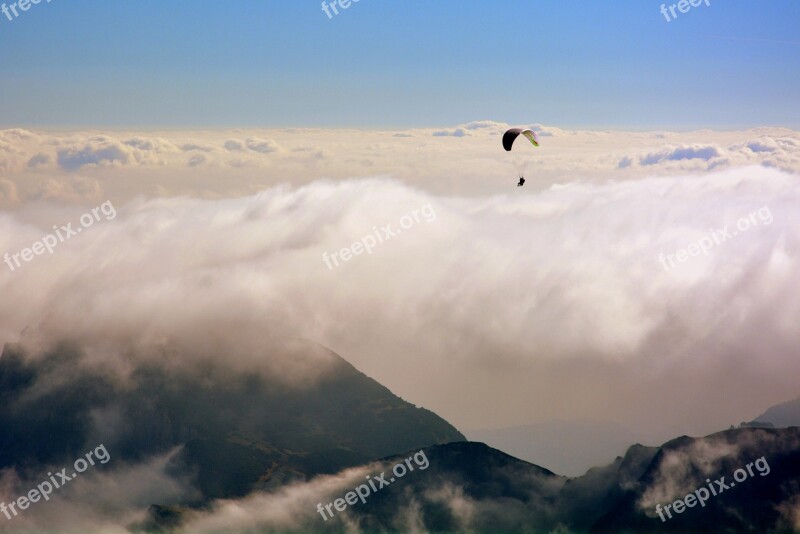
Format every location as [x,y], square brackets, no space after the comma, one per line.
[393,63]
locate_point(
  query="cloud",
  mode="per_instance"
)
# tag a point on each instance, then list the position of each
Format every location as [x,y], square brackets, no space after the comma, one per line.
[701,152]
[150,144]
[587,265]
[255,144]
[541,131]
[19,134]
[8,193]
[77,189]
[789,144]
[264,146]
[528,295]
[39,159]
[194,146]
[97,151]
[233,145]
[146,162]
[292,507]
[790,514]
[107,498]
[763,144]
[197,159]
[489,127]
[423,499]
[458,132]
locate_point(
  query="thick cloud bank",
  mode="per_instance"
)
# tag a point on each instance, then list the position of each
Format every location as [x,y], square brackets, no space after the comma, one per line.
[666,303]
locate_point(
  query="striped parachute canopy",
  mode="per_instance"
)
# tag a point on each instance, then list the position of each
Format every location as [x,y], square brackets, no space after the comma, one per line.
[511,135]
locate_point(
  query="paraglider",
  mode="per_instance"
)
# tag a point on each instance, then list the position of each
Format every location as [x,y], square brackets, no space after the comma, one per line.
[511,135]
[508,142]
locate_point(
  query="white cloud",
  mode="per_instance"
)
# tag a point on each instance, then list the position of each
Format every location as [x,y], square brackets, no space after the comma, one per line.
[233,145]
[8,193]
[519,297]
[39,159]
[100,151]
[108,498]
[264,146]
[763,144]
[472,163]
[292,507]
[522,295]
[701,152]
[458,132]
[197,159]
[194,146]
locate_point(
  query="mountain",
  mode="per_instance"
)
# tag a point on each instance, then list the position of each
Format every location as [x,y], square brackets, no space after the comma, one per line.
[470,487]
[782,415]
[257,452]
[565,447]
[235,430]
[766,501]
[502,494]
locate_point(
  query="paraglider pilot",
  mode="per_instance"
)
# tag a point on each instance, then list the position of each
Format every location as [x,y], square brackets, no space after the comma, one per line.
[508,141]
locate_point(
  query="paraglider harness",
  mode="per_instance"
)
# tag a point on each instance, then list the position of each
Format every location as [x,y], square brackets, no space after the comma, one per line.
[521,181]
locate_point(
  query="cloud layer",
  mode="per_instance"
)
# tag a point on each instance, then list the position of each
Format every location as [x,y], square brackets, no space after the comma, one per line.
[464,160]
[522,299]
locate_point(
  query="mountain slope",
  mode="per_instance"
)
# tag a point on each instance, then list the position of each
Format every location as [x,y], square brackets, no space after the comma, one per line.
[782,415]
[470,487]
[508,495]
[767,501]
[236,430]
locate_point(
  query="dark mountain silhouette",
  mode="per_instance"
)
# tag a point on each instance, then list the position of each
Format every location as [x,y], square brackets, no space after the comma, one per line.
[759,503]
[238,431]
[509,495]
[470,487]
[245,435]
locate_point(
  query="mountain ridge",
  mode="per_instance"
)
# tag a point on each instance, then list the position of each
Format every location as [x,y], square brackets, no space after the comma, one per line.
[236,430]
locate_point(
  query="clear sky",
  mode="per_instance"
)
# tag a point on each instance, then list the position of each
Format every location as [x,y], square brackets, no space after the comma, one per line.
[182,63]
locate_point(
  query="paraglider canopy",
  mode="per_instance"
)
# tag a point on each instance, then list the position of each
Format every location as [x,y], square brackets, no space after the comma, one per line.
[511,135]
